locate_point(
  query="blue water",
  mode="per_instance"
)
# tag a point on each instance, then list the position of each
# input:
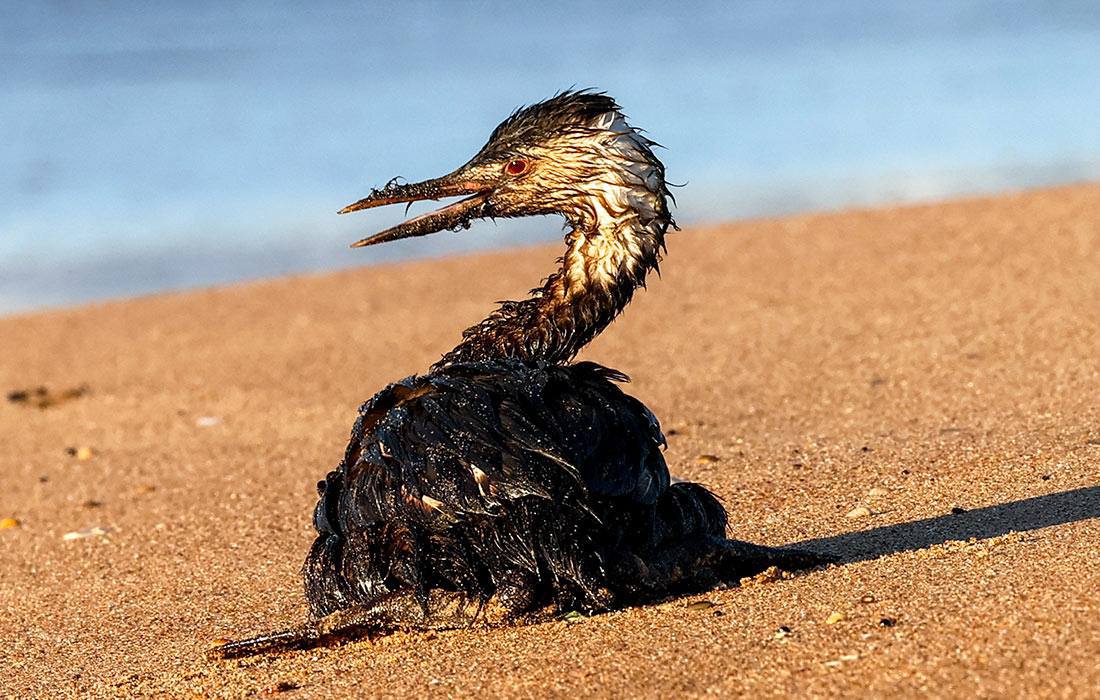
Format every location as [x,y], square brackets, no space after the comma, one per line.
[148,147]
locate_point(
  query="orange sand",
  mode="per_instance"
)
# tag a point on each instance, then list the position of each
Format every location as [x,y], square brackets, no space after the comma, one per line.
[905,360]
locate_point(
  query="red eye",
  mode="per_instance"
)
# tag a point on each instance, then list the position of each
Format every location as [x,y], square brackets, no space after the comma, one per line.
[516,167]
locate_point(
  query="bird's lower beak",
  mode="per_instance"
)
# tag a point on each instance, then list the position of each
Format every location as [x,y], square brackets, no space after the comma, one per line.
[453,216]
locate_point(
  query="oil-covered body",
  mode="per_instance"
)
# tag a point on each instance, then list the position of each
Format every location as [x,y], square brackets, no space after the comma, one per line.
[513,485]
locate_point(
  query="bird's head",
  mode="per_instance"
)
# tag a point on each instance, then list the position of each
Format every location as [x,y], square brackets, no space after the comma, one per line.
[573,154]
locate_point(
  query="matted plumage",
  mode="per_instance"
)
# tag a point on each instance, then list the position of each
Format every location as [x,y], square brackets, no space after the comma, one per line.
[506,484]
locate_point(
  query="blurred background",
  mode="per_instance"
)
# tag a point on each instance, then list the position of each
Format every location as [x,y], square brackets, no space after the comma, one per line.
[149,146]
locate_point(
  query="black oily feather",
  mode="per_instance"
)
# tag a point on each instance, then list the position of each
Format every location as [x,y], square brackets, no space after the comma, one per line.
[531,124]
[572,483]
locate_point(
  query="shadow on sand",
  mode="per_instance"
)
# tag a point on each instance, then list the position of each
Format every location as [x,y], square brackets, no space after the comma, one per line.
[981,523]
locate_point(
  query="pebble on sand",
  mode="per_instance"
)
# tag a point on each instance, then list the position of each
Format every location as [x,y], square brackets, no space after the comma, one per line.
[82,453]
[282,687]
[44,397]
[769,575]
[834,618]
[859,512]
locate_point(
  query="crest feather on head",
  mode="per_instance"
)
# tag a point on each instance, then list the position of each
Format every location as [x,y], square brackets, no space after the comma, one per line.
[537,122]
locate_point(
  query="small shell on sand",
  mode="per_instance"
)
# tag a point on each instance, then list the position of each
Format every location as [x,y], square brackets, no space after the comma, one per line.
[574,617]
[701,605]
[96,531]
[859,512]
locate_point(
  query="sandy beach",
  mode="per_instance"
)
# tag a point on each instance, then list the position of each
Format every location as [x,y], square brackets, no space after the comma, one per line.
[915,390]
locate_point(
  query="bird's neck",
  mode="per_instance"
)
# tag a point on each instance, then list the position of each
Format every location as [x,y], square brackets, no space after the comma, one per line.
[616,239]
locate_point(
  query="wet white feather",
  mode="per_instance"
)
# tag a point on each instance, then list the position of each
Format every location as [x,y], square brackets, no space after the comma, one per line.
[624,201]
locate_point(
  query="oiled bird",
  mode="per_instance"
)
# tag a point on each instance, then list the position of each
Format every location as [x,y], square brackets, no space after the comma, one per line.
[507,484]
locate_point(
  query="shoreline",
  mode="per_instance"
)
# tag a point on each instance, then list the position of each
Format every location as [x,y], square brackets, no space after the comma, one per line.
[526,235]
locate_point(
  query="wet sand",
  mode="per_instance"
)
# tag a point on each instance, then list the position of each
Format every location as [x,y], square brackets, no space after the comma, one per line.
[916,390]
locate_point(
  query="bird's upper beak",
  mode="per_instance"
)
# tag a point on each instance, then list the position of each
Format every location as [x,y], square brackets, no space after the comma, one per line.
[460,214]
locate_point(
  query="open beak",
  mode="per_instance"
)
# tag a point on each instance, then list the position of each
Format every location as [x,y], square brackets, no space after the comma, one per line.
[453,216]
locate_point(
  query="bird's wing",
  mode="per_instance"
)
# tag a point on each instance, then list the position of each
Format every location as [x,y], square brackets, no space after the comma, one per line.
[612,437]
